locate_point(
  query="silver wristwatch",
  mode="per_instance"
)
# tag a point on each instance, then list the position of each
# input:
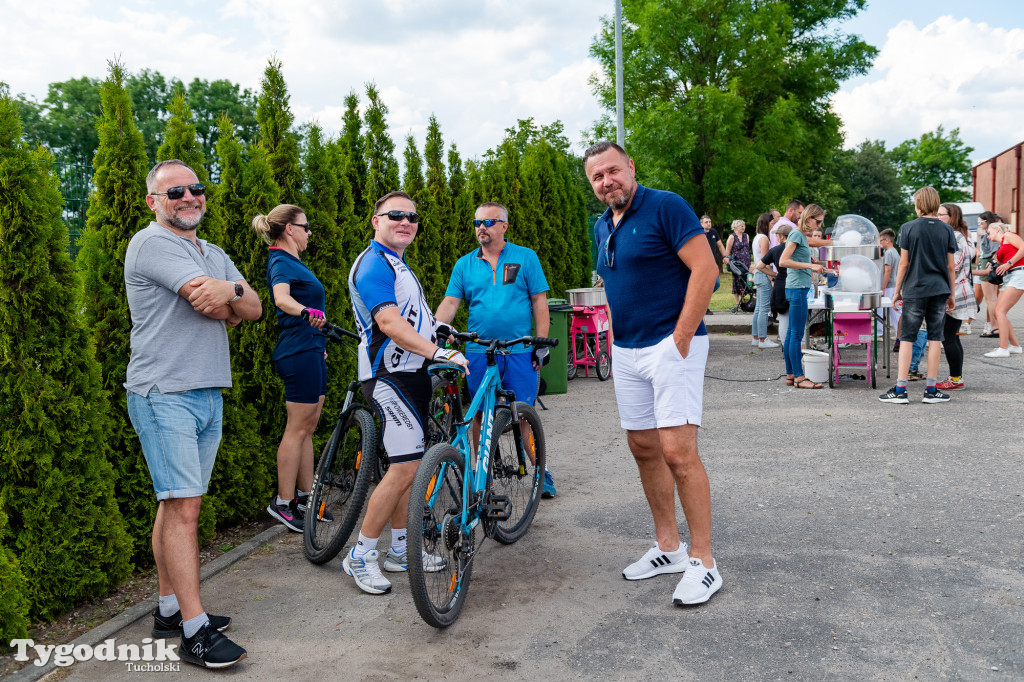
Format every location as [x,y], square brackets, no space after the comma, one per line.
[238,292]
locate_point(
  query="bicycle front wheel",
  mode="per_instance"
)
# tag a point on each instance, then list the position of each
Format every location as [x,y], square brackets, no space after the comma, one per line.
[339,487]
[514,472]
[440,552]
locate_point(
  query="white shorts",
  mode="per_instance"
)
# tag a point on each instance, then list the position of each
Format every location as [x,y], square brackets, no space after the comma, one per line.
[656,388]
[1014,278]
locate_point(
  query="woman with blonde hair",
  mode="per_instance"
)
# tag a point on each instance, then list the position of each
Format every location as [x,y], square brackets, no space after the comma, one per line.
[738,249]
[796,258]
[964,303]
[299,355]
[1009,254]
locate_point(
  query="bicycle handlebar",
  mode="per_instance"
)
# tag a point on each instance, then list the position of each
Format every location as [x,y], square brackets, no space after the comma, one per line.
[333,331]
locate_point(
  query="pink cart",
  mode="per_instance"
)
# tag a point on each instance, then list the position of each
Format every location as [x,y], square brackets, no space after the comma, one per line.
[589,331]
[858,331]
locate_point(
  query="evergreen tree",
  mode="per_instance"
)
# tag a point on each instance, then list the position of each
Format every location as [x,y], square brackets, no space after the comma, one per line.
[463,205]
[438,214]
[274,115]
[58,514]
[228,210]
[351,221]
[382,168]
[117,209]
[426,267]
[353,144]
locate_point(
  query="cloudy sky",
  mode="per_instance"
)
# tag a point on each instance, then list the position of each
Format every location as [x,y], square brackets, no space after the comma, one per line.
[481,64]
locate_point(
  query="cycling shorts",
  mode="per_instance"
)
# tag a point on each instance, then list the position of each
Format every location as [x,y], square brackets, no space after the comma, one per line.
[402,400]
[304,375]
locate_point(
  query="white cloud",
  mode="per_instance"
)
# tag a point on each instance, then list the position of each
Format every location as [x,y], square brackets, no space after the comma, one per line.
[954,73]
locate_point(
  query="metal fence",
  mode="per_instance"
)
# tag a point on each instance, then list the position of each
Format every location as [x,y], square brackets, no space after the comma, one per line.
[75,185]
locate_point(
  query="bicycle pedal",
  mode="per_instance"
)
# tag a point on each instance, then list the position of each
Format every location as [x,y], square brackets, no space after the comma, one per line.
[496,508]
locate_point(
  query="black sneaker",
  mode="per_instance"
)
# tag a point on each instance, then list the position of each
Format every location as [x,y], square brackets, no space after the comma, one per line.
[301,501]
[170,626]
[895,396]
[288,514]
[935,396]
[210,649]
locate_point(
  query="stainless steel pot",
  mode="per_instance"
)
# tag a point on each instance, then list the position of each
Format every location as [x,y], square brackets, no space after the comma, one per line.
[836,253]
[587,297]
[868,300]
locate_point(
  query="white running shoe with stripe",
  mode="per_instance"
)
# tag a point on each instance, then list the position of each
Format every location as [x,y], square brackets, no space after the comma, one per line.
[698,583]
[656,562]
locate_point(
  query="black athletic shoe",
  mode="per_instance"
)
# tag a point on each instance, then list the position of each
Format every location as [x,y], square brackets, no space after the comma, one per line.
[894,396]
[288,514]
[935,396]
[210,649]
[170,626]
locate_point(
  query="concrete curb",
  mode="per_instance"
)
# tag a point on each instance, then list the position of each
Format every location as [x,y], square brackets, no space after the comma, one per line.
[129,616]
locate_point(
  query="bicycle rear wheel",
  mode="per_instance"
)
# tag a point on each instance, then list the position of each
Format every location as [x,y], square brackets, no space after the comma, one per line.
[512,473]
[445,410]
[339,487]
[436,519]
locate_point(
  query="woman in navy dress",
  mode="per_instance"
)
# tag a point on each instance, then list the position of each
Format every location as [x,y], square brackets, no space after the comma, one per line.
[299,355]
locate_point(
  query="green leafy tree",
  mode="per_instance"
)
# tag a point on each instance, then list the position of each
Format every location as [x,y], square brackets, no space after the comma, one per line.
[936,159]
[58,514]
[209,102]
[65,122]
[379,155]
[872,185]
[727,103]
[117,209]
[353,144]
[151,95]
[274,116]
[180,143]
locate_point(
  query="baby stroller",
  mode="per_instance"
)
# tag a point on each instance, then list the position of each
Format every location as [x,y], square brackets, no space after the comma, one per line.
[748,292]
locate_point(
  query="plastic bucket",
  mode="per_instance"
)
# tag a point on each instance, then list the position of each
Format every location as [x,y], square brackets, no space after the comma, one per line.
[816,366]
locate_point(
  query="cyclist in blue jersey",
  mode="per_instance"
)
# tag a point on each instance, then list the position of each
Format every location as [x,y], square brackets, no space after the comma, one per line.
[648,238]
[506,291]
[299,355]
[398,338]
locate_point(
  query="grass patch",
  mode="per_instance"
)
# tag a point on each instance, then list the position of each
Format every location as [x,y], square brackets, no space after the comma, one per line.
[722,299]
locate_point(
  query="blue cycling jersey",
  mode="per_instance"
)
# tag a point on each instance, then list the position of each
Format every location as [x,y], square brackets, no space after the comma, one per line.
[378,280]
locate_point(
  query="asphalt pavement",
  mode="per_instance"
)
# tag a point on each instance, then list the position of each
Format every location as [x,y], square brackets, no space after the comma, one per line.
[855,539]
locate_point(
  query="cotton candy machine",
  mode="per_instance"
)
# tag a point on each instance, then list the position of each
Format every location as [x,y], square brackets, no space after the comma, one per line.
[854,235]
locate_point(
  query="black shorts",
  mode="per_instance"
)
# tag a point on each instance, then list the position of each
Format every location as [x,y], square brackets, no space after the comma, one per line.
[931,310]
[402,401]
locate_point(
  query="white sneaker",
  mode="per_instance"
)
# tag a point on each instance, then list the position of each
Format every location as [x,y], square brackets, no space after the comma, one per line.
[965,327]
[754,342]
[698,583]
[397,563]
[998,353]
[366,572]
[656,562]
[767,343]
[1015,350]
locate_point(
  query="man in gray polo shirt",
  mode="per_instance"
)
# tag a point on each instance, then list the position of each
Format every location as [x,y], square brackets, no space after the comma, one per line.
[182,292]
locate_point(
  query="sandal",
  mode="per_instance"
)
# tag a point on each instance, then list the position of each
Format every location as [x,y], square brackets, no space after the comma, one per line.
[994,334]
[789,381]
[803,382]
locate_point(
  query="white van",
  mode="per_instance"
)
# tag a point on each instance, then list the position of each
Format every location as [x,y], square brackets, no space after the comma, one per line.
[971,211]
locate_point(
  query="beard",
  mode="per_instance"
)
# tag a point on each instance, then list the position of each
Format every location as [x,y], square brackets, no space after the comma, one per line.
[179,222]
[622,201]
[483,238]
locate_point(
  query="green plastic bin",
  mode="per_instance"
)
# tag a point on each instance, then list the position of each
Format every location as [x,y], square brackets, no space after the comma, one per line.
[554,375]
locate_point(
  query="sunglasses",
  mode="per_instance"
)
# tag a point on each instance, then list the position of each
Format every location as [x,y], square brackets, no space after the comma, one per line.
[399,216]
[175,193]
[304,226]
[609,251]
[489,222]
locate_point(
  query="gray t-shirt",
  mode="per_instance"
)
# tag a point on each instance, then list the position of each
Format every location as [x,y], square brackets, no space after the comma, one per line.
[173,347]
[891,257]
[929,241]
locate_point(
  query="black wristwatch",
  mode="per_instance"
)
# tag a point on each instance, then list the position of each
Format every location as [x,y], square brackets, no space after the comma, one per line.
[238,292]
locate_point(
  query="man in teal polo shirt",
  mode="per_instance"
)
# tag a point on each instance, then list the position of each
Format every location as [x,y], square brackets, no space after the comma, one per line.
[505,288]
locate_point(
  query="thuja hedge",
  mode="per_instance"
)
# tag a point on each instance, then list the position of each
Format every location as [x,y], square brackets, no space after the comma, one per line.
[76,502]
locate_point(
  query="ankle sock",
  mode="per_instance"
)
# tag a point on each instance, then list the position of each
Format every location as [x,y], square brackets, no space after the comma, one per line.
[363,545]
[929,383]
[168,605]
[283,503]
[901,384]
[191,626]
[957,380]
[398,540]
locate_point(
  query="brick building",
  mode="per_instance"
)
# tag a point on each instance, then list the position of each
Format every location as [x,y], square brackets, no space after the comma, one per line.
[998,182]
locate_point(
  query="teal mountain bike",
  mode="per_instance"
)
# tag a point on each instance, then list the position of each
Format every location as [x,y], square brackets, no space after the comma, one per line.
[457,491]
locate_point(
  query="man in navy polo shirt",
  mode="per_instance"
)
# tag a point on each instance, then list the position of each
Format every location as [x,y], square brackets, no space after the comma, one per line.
[659,275]
[505,288]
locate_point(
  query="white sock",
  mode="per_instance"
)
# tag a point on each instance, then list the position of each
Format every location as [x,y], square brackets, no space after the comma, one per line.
[363,545]
[191,626]
[283,503]
[169,605]
[300,494]
[398,540]
[674,550]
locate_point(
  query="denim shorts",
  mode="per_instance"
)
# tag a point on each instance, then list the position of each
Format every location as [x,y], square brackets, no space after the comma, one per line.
[931,310]
[180,434]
